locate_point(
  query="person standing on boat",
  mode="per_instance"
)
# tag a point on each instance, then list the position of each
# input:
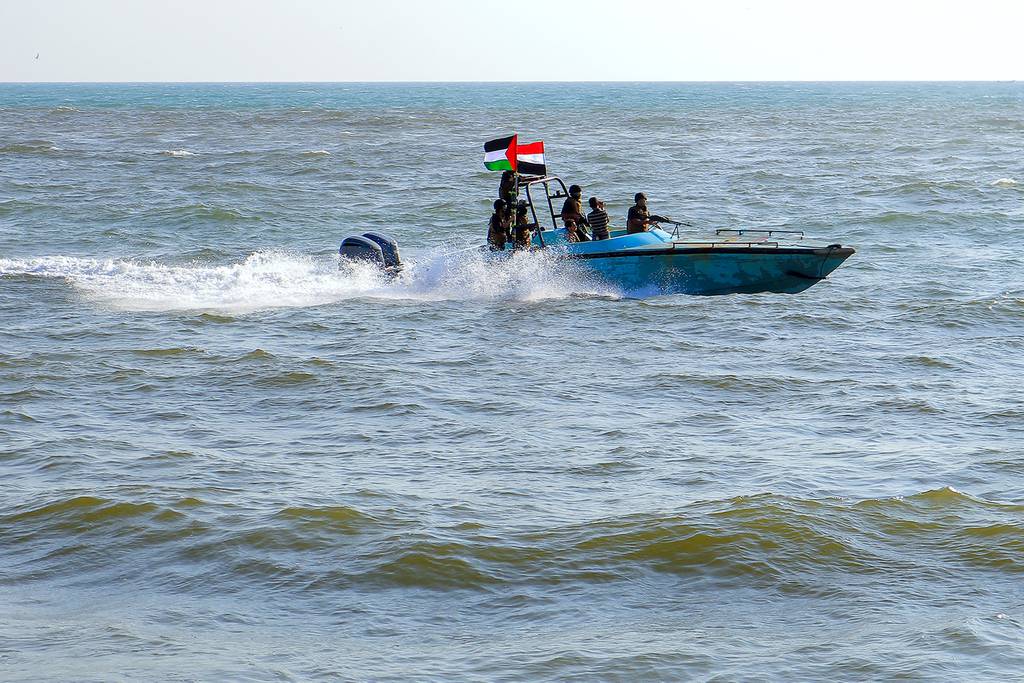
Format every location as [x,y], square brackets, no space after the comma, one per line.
[573,206]
[598,219]
[524,229]
[572,210]
[639,217]
[498,229]
[508,188]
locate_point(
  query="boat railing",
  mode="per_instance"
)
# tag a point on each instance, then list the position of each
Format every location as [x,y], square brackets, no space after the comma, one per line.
[773,231]
[798,234]
[711,244]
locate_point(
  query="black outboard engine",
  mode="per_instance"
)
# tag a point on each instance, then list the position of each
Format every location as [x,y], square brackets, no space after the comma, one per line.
[389,247]
[378,249]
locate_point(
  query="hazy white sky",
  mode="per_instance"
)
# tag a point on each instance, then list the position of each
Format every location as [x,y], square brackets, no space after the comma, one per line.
[482,40]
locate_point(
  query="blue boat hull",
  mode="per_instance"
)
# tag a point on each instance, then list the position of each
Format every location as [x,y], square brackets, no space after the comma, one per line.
[717,271]
[652,263]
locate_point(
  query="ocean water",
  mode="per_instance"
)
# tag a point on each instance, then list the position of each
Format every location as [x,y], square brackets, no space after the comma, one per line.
[226,456]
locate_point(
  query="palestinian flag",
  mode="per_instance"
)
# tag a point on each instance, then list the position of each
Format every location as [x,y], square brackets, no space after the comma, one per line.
[530,159]
[500,154]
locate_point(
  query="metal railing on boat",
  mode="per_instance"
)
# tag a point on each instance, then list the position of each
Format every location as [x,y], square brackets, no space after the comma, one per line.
[769,232]
[705,244]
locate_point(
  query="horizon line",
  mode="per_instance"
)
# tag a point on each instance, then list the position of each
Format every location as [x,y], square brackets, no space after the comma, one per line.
[501,82]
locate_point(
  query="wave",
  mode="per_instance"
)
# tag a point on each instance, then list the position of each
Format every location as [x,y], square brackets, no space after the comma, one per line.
[171,351]
[275,279]
[76,512]
[1004,182]
[15,206]
[316,152]
[933,187]
[178,153]
[1003,122]
[29,147]
[205,212]
[768,539]
[369,119]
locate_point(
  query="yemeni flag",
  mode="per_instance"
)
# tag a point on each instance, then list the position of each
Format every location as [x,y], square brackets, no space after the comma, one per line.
[530,159]
[500,154]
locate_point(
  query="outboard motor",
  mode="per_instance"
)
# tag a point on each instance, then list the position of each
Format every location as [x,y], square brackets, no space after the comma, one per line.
[378,249]
[389,247]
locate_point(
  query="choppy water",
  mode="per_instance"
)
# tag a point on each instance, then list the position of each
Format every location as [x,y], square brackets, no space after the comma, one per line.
[226,458]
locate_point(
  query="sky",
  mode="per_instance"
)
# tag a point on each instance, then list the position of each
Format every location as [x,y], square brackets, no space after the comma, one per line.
[528,40]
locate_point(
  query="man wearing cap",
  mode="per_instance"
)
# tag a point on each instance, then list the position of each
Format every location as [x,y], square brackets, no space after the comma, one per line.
[573,206]
[639,217]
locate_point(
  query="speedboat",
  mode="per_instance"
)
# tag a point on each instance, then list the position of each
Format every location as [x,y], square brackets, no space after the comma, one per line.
[659,261]
[656,261]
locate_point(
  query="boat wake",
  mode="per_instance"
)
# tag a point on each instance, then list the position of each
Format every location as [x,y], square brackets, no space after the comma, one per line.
[278,279]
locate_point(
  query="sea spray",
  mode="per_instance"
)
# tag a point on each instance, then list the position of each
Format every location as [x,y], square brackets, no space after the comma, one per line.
[450,273]
[281,279]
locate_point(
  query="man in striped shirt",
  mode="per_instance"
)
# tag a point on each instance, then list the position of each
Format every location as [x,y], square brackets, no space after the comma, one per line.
[598,219]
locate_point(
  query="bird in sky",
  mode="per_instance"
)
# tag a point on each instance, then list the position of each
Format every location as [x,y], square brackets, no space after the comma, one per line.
[37,55]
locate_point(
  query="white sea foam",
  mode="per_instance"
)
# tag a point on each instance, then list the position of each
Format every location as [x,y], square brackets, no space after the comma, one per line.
[178,153]
[267,280]
[317,152]
[1004,182]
